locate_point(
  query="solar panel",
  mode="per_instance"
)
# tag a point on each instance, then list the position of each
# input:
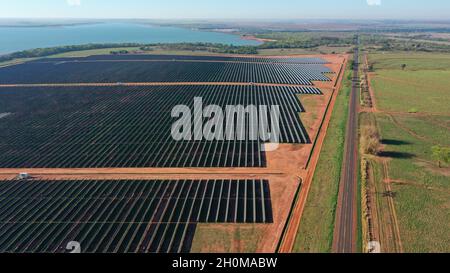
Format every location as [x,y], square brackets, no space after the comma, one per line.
[87,127]
[123,215]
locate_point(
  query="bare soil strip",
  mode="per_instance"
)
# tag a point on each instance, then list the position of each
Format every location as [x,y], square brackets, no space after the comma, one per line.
[395,236]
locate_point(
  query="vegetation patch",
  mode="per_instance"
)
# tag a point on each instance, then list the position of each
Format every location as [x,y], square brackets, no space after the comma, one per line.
[421,193]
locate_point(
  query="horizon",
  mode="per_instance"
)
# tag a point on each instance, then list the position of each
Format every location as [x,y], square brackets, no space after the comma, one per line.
[432,10]
[270,20]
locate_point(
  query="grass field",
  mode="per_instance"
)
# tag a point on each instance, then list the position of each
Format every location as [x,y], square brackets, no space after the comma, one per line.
[74,54]
[156,51]
[106,51]
[316,228]
[424,86]
[417,91]
[15,61]
[421,189]
[86,53]
[414,61]
[304,51]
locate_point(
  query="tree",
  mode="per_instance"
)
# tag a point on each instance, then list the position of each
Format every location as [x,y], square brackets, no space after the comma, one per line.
[403,66]
[441,154]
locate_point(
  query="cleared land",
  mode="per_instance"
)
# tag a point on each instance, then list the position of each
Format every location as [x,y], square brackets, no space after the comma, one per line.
[412,115]
[284,167]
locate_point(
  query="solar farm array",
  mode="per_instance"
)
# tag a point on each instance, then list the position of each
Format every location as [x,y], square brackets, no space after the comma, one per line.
[130,127]
[294,60]
[95,127]
[129,71]
[121,216]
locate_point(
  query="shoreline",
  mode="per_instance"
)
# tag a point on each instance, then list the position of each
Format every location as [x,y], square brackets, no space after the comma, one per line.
[254,38]
[26,25]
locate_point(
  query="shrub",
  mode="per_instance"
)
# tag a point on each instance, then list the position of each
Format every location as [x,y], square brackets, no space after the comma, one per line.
[370,140]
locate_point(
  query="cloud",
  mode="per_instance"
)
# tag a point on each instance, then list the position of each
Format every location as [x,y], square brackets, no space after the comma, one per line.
[374,2]
[74,3]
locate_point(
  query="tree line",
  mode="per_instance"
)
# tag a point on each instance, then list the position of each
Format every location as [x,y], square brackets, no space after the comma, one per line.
[210,47]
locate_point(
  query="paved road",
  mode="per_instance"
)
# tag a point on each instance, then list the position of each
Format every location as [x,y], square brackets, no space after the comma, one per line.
[345,234]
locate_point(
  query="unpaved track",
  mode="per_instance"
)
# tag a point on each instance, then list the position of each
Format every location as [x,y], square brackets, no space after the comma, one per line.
[409,131]
[395,236]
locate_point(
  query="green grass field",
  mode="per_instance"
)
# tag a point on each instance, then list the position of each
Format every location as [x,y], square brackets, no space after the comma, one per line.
[423,199]
[414,61]
[304,51]
[106,51]
[156,51]
[86,53]
[423,87]
[315,234]
[422,190]
[422,91]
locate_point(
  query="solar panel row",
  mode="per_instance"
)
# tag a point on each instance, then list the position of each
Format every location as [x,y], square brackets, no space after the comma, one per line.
[123,215]
[297,60]
[106,71]
[87,127]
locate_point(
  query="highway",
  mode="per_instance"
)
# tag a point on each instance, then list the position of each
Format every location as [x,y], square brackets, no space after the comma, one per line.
[345,232]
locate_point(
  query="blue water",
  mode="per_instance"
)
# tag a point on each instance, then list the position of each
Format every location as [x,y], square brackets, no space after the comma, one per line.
[21,38]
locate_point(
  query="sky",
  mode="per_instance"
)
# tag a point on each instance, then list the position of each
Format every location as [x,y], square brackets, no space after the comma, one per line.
[227,9]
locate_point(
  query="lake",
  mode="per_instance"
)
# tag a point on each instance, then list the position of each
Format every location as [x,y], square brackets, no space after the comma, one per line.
[21,38]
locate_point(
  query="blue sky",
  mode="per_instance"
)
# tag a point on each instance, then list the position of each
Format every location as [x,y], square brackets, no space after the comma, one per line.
[225,9]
